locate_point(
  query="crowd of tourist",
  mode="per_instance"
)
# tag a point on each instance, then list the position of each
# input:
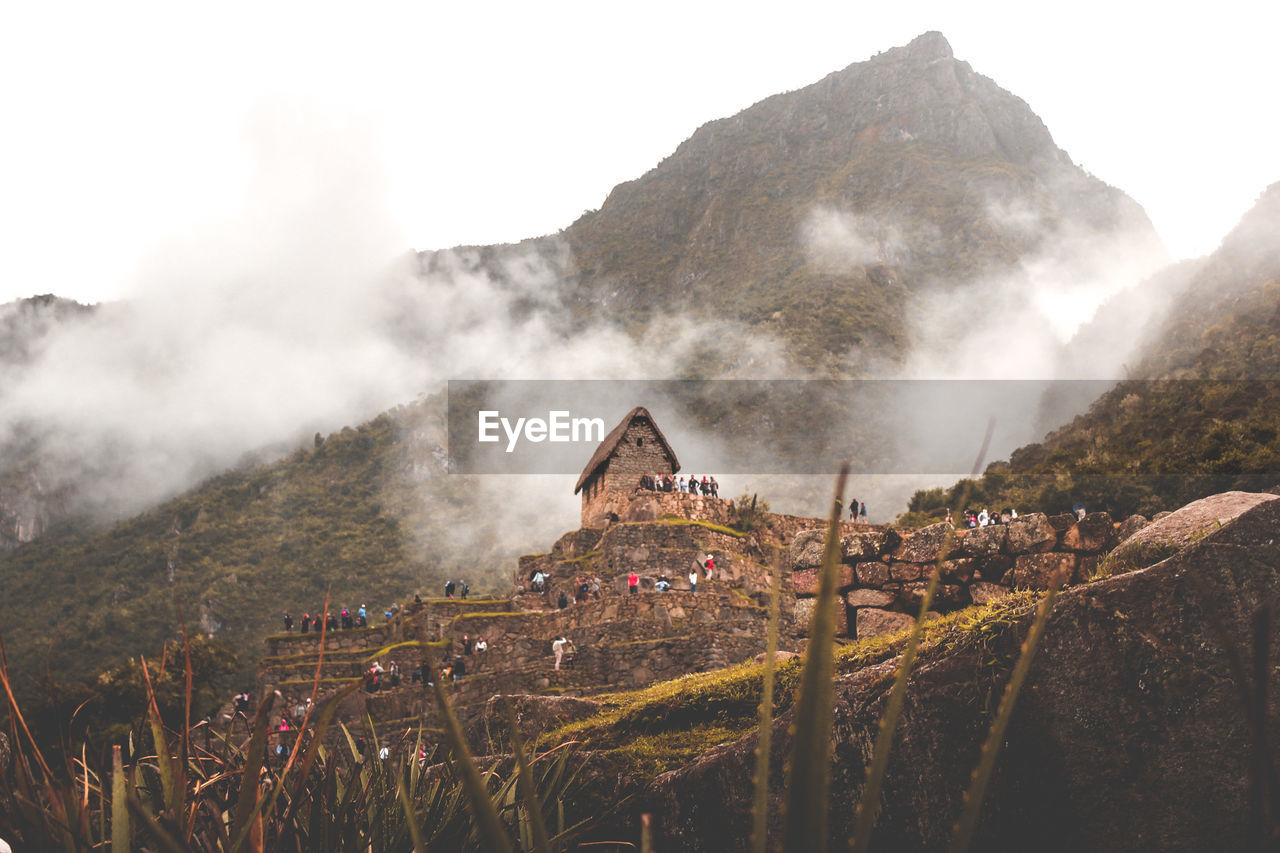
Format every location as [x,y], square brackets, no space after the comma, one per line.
[984,517]
[585,588]
[336,620]
[658,481]
[452,667]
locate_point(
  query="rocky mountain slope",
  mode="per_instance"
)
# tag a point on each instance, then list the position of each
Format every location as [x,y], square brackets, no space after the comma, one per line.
[1198,413]
[824,216]
[29,500]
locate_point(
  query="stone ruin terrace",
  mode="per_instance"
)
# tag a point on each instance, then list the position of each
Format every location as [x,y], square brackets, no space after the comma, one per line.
[627,641]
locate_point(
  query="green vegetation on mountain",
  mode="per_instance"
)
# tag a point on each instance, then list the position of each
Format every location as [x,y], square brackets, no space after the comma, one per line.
[236,552]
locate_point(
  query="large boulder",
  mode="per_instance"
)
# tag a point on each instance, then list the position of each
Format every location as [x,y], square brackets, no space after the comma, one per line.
[985,593]
[869,544]
[1037,571]
[1130,734]
[806,581]
[872,622]
[1130,526]
[1030,534]
[806,549]
[983,541]
[1171,532]
[1090,535]
[869,598]
[805,608]
[925,544]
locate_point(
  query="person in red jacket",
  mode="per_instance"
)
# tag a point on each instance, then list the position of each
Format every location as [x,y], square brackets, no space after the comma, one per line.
[633,581]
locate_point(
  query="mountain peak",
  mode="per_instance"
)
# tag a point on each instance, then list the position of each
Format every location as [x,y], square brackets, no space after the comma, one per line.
[929,46]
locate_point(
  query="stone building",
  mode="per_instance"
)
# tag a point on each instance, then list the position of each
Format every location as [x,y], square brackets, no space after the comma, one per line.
[635,447]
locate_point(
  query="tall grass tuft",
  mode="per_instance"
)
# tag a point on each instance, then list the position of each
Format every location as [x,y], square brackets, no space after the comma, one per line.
[808,769]
[486,816]
[532,808]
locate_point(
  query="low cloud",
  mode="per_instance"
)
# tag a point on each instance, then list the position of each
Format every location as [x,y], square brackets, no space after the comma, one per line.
[837,241]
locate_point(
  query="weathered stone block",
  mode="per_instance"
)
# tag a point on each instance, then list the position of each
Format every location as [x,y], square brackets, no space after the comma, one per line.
[946,597]
[924,545]
[951,596]
[912,594]
[1092,534]
[1035,571]
[906,571]
[983,541]
[806,549]
[869,598]
[867,544]
[1130,526]
[804,616]
[960,570]
[1062,521]
[872,574]
[872,622]
[644,508]
[806,582]
[992,568]
[985,593]
[1172,531]
[1030,534]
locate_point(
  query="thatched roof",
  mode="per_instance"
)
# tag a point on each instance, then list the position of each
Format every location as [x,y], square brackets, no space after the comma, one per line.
[606,448]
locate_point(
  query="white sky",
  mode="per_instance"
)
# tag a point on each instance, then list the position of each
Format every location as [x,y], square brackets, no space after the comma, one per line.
[127,126]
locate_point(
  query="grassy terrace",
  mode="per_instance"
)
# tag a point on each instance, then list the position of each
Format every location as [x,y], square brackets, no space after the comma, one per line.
[689,522]
[585,558]
[669,724]
[491,614]
[324,682]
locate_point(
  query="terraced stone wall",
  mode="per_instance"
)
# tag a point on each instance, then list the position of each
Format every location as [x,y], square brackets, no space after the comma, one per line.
[884,570]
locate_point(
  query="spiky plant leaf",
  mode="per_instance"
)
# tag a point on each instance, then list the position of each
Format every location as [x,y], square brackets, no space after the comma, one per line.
[808,771]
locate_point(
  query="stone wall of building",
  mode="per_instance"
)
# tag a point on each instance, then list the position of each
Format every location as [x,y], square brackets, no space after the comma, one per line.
[651,506]
[671,547]
[637,453]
